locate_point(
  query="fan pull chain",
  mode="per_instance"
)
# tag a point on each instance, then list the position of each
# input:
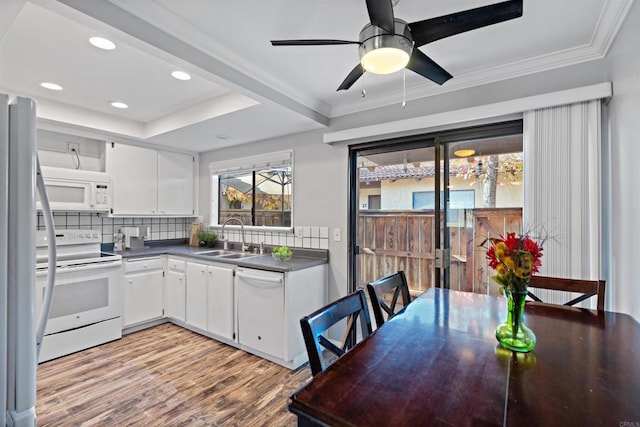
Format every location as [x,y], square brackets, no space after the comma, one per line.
[404,88]
[363,93]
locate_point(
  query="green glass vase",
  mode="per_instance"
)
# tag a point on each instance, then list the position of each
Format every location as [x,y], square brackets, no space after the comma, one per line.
[514,333]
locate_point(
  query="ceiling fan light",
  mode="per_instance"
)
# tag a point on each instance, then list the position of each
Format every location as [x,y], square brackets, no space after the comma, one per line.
[385,60]
[465,152]
[384,53]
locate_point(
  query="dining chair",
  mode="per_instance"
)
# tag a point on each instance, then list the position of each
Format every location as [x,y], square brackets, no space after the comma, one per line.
[588,289]
[353,308]
[395,285]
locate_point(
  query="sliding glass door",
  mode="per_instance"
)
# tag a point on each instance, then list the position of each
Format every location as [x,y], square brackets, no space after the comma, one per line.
[423,205]
[395,213]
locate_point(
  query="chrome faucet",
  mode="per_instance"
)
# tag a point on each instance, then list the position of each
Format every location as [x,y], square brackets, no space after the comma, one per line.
[225,240]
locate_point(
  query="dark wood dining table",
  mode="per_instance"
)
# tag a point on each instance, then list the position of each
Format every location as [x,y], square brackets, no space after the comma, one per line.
[438,363]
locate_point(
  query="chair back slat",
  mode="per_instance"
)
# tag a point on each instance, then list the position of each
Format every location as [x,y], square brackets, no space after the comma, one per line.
[352,308]
[330,346]
[395,284]
[588,289]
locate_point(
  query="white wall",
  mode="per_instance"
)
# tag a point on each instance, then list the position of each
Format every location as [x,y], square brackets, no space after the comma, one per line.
[623,68]
[321,182]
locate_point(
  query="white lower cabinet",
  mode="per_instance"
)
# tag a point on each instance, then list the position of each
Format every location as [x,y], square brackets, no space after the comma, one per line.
[210,298]
[175,289]
[196,295]
[142,290]
[220,301]
[256,310]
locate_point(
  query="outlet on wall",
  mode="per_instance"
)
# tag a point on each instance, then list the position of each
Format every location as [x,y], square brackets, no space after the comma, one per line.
[73,147]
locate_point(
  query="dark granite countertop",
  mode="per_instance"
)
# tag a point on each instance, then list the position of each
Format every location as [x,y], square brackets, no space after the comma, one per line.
[302,258]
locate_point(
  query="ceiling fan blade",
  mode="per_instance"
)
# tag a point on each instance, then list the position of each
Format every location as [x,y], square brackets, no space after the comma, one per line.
[381,14]
[426,67]
[353,76]
[310,42]
[433,29]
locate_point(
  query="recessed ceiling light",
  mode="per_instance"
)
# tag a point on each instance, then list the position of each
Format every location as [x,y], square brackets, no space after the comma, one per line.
[51,86]
[118,104]
[181,75]
[102,43]
[222,136]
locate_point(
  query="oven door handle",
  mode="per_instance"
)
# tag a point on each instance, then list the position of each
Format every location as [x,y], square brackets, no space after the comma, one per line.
[85,267]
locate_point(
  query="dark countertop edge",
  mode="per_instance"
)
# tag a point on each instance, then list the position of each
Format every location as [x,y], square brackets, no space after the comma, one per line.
[303,258]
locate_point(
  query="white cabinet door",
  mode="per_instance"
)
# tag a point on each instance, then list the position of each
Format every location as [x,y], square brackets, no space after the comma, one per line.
[220,301]
[175,183]
[260,305]
[175,283]
[142,297]
[135,179]
[196,314]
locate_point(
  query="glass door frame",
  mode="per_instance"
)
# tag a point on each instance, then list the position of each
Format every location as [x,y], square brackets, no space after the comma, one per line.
[438,140]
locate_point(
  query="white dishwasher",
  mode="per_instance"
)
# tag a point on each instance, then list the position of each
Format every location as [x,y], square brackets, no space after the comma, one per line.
[260,310]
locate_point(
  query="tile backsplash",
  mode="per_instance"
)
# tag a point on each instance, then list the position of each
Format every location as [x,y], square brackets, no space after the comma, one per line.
[301,237]
[161,228]
[309,237]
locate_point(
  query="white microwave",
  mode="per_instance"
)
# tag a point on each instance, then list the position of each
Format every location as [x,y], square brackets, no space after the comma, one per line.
[76,190]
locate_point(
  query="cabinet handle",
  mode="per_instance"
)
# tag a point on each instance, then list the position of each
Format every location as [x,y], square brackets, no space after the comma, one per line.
[131,282]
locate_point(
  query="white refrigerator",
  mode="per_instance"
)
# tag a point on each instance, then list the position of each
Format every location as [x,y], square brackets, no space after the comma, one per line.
[17,261]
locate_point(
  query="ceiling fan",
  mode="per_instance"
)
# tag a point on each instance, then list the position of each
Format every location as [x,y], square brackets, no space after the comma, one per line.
[389,44]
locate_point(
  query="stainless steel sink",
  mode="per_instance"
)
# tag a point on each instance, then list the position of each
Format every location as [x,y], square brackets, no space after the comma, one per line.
[221,253]
[237,255]
[216,252]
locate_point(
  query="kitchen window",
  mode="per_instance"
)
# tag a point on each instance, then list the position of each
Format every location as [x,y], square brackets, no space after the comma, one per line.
[257,189]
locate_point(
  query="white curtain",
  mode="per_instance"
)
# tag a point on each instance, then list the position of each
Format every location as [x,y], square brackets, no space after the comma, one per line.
[562,182]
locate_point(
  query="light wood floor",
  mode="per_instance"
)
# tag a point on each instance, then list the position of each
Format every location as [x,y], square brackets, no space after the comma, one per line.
[165,376]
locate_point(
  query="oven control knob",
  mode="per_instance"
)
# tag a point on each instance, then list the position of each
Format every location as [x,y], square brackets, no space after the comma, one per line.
[81,236]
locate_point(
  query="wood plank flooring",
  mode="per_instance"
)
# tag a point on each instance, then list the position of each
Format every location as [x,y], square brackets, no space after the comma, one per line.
[165,376]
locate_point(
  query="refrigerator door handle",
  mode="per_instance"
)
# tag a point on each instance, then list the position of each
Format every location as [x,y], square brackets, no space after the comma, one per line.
[52,254]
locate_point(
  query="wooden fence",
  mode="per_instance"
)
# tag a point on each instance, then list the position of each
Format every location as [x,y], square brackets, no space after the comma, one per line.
[391,240]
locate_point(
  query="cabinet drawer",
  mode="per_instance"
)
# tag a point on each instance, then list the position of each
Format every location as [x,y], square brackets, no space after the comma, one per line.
[142,264]
[176,264]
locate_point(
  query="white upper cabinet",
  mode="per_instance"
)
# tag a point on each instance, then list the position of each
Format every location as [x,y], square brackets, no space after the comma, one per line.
[175,183]
[135,179]
[151,182]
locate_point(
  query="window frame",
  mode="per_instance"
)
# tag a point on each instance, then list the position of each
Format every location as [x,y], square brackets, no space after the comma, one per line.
[248,164]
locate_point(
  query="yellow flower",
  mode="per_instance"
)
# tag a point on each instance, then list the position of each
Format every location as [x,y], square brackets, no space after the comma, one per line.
[501,270]
[509,263]
[500,250]
[521,273]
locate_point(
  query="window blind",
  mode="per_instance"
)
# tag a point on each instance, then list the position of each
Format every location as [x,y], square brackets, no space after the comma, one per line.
[562,187]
